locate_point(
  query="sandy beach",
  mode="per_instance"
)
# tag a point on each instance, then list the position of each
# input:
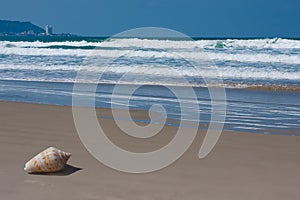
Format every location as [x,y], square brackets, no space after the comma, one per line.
[241,166]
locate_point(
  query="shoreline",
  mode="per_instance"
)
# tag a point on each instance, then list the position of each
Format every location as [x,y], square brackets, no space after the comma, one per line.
[276,88]
[140,116]
[241,166]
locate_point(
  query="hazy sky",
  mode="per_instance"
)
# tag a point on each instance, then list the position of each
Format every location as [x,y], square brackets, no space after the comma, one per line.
[209,18]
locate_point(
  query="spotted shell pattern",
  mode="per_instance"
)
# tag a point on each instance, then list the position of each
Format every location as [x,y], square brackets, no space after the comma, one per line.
[49,160]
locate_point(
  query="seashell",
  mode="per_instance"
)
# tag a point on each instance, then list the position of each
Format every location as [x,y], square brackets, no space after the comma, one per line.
[49,160]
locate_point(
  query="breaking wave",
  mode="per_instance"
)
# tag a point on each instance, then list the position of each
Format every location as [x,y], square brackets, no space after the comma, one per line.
[239,61]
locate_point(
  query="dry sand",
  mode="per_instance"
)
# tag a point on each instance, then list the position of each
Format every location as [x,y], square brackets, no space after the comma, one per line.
[241,166]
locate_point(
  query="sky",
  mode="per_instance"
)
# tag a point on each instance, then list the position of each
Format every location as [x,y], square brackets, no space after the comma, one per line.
[207,18]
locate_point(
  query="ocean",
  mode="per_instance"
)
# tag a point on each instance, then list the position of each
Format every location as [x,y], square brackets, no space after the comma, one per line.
[261,77]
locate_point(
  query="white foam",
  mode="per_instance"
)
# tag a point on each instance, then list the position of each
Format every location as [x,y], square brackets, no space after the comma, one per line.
[162,72]
[190,56]
[190,50]
[257,73]
[43,52]
[40,67]
[274,43]
[36,44]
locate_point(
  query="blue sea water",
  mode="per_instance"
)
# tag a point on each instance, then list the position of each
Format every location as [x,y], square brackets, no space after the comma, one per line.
[43,70]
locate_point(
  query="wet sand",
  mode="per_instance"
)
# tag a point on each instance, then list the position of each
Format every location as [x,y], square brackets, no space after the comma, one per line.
[241,166]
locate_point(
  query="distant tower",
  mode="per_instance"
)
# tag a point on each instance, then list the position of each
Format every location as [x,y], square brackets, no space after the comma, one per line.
[49,30]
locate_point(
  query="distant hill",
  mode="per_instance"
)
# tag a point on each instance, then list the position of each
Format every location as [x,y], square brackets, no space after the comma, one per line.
[19,28]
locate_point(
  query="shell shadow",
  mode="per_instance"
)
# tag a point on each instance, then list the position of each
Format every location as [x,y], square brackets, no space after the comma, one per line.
[68,170]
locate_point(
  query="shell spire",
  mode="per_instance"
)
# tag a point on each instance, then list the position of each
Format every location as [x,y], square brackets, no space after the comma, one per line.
[49,160]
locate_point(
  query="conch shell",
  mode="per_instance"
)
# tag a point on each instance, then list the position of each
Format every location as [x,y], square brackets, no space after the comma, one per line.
[49,160]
